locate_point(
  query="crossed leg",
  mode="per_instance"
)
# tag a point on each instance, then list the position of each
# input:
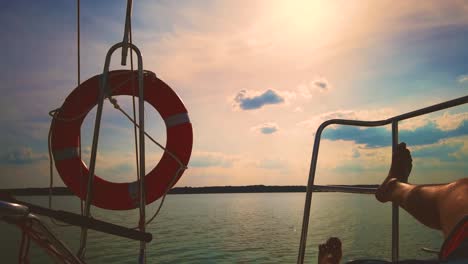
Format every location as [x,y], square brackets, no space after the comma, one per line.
[437,206]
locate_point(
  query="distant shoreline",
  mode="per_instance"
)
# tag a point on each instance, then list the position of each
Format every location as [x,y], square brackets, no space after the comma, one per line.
[181,190]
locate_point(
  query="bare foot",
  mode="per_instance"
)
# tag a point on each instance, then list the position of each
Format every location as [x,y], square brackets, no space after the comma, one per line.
[402,163]
[330,252]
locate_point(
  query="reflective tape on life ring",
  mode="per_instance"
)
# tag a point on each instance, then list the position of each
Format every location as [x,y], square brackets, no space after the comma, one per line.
[66,133]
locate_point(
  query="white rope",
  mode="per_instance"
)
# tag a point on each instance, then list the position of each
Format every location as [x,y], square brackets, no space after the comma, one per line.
[84,210]
[182,167]
[140,159]
[114,102]
[135,130]
[78,80]
[54,113]
[51,174]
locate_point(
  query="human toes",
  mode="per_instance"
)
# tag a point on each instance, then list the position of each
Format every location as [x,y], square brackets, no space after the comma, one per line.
[401,145]
[334,246]
[322,248]
[334,243]
[323,254]
[405,160]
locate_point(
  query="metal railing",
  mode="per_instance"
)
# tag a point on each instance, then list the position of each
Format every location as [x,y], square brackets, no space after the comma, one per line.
[33,228]
[311,187]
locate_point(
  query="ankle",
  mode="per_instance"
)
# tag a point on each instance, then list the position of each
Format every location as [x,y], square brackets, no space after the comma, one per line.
[391,189]
[385,192]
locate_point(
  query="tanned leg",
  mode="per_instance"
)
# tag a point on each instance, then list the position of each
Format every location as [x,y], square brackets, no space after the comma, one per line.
[453,204]
[437,206]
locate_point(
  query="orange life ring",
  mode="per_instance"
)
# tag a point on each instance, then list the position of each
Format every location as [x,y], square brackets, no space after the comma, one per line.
[66,132]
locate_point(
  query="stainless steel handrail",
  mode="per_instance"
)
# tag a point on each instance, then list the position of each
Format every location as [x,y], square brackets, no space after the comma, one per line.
[394,121]
[20,215]
[395,211]
[343,189]
[103,93]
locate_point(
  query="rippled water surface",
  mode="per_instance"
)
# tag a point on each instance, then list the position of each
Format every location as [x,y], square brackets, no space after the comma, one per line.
[240,228]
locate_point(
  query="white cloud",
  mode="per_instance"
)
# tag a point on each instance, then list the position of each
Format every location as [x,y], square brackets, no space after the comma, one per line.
[245,101]
[462,78]
[266,128]
[35,174]
[365,115]
[413,123]
[313,87]
[445,122]
[298,109]
[450,121]
[274,164]
[345,162]
[22,155]
[212,159]
[274,38]
[254,99]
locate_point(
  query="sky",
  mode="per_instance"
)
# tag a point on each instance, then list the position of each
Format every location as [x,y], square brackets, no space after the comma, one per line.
[257,77]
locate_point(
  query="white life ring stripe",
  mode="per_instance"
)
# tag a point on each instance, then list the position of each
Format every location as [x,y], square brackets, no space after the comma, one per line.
[177,119]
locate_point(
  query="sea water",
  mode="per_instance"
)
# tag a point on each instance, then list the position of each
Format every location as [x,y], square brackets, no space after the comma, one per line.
[239,228]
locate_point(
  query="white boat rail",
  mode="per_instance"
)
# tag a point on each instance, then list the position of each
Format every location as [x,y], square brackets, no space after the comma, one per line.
[351,189]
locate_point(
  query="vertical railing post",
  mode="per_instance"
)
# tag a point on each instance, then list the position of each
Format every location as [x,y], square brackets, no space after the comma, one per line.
[395,211]
[104,92]
[309,190]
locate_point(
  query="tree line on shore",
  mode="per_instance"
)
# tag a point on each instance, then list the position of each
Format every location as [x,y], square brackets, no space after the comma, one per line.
[177,190]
